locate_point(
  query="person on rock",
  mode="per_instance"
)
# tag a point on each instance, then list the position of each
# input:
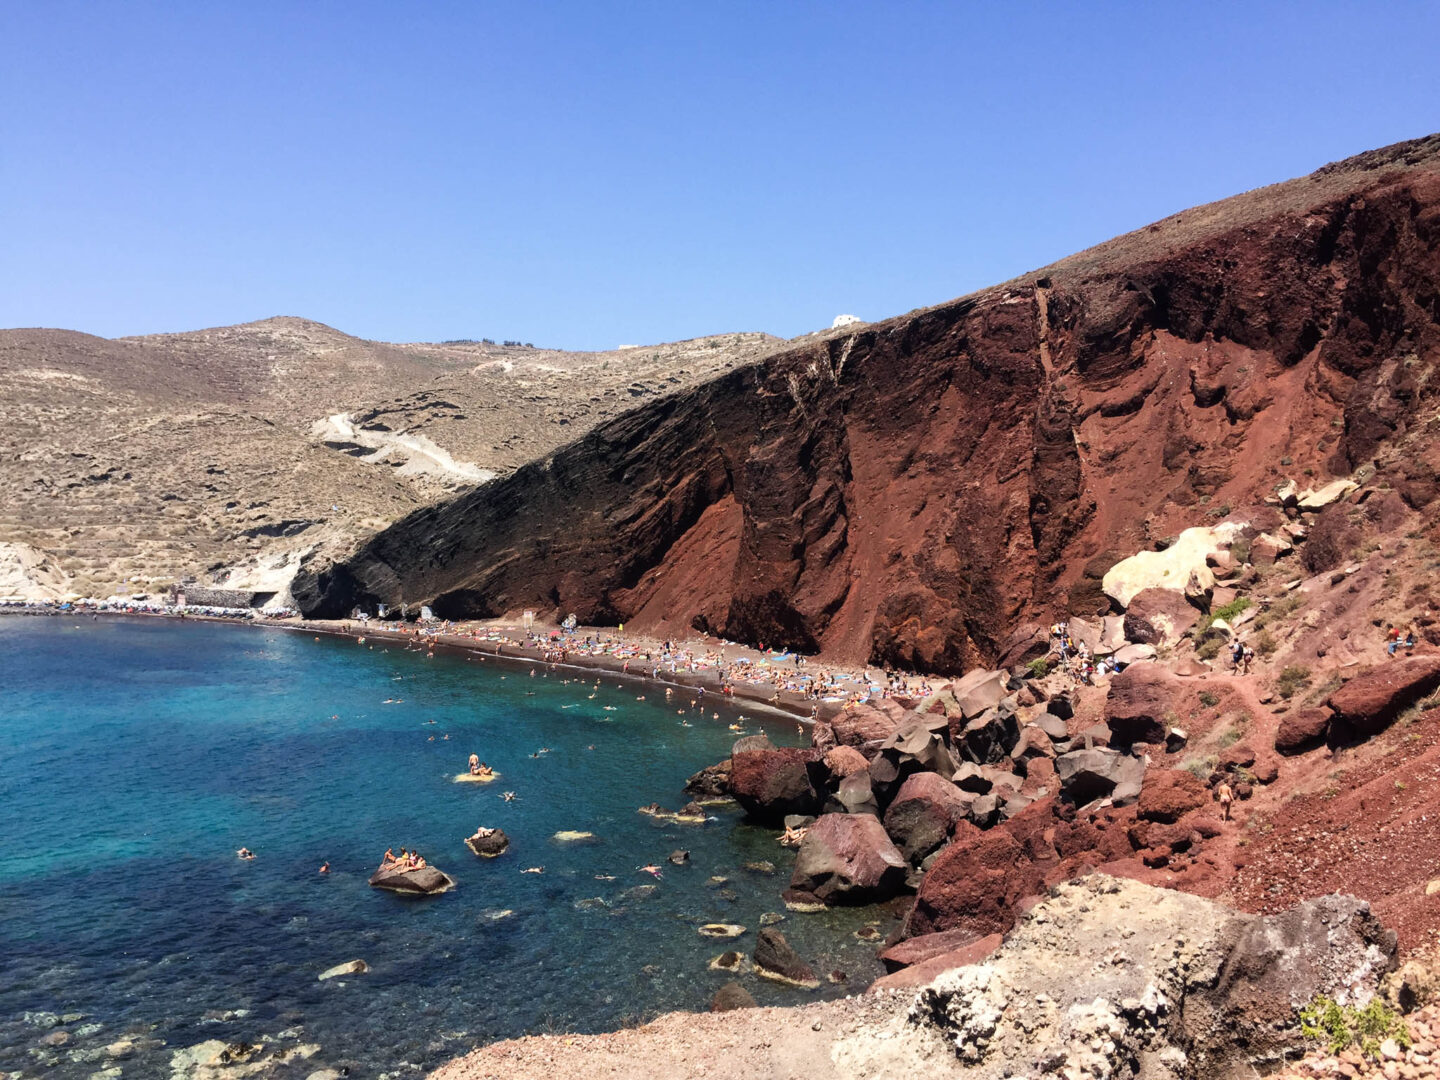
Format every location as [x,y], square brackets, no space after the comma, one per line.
[1226,796]
[1247,657]
[474,764]
[1237,653]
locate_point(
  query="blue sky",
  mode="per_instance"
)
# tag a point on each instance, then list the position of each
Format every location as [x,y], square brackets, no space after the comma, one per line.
[586,174]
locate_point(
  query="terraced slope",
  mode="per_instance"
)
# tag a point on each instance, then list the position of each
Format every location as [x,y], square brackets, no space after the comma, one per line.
[235,450]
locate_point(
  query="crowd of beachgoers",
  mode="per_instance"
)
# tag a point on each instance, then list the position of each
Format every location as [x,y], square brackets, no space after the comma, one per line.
[117,605]
[727,665]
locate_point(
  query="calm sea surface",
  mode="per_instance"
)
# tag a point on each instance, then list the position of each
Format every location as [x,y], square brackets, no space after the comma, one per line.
[136,756]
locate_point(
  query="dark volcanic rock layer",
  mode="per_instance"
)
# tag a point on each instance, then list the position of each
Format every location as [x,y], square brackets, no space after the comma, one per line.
[912,491]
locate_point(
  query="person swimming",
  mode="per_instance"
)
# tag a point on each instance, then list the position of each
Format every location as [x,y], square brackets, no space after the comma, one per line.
[244,853]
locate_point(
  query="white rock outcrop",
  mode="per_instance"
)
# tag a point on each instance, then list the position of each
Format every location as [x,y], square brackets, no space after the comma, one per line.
[1181,566]
[27,573]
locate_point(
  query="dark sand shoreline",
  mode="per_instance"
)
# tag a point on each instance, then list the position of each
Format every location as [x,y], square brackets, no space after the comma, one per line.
[783,704]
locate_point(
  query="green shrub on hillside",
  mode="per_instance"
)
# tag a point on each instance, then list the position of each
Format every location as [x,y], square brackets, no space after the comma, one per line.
[1039,667]
[1292,680]
[1224,611]
[1342,1026]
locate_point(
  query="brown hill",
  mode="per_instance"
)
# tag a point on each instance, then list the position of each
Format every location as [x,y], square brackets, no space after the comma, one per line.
[912,490]
[236,450]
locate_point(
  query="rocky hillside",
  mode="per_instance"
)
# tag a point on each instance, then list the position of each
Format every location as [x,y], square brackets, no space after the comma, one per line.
[1104,979]
[911,491]
[235,451]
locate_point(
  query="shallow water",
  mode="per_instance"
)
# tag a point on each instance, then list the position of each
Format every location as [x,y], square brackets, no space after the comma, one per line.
[137,755]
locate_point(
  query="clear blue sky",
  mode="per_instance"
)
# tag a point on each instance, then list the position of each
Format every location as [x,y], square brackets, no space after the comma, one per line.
[586,174]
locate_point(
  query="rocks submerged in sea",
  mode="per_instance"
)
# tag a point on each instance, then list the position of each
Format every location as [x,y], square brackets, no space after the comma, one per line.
[775,960]
[350,967]
[720,930]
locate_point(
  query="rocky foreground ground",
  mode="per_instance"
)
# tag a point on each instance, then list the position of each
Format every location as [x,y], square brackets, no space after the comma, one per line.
[1103,978]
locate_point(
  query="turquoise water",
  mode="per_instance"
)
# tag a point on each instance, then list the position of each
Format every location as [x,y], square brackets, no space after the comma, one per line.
[137,755]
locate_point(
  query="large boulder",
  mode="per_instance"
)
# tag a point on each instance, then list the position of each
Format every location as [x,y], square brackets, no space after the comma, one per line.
[854,796]
[848,859]
[492,844]
[1033,743]
[916,746]
[751,742]
[1112,635]
[731,996]
[976,691]
[974,884]
[1140,698]
[921,738]
[917,950]
[1169,794]
[1322,947]
[1159,617]
[1099,773]
[926,971]
[1180,566]
[1267,548]
[1302,730]
[711,782]
[427,881]
[843,761]
[989,737]
[924,813]
[1370,702]
[869,722]
[1319,498]
[775,960]
[1053,725]
[1100,636]
[768,784]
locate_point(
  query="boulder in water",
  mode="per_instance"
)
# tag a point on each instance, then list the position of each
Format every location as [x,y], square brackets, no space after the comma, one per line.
[728,961]
[768,784]
[775,960]
[731,996]
[426,881]
[721,930]
[848,858]
[493,843]
[350,967]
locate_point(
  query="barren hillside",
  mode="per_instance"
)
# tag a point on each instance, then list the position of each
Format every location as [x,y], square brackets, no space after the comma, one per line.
[246,446]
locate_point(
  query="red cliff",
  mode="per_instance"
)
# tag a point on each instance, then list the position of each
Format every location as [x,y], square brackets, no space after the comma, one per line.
[911,491]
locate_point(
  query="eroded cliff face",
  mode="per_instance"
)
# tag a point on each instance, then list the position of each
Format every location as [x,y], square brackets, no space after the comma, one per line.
[911,491]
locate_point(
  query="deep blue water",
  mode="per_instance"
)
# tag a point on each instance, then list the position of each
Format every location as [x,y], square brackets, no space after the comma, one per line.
[137,755]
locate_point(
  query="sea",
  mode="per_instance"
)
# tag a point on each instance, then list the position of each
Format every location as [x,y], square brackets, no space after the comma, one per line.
[138,755]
